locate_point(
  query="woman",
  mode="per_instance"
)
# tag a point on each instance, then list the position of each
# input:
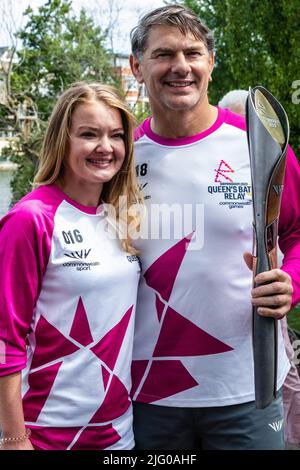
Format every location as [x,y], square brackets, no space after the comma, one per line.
[68,285]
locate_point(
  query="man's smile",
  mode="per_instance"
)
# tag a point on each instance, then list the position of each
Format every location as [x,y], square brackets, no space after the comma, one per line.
[179,83]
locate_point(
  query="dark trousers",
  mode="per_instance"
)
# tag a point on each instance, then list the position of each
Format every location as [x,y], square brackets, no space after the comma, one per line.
[235,427]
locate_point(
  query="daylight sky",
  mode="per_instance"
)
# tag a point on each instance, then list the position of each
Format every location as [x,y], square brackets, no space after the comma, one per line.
[124,21]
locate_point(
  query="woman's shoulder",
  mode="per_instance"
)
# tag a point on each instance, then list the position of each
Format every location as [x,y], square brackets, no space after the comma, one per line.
[42,200]
[34,209]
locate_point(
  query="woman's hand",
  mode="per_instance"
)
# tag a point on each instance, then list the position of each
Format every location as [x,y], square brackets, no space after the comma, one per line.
[15,435]
[25,445]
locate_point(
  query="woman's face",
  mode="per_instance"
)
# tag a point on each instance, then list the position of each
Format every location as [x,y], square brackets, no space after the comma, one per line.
[96,148]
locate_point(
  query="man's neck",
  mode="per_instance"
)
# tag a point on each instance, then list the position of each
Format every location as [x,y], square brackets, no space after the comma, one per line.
[176,124]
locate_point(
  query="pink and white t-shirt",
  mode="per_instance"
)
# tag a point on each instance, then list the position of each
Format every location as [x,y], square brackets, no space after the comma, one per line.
[68,295]
[193,338]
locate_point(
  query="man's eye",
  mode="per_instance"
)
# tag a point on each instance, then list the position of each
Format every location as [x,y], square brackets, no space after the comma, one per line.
[195,54]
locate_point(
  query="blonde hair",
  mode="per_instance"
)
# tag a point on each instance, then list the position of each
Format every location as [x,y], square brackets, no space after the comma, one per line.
[55,146]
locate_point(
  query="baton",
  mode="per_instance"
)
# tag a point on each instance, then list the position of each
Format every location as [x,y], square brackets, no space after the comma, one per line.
[267,134]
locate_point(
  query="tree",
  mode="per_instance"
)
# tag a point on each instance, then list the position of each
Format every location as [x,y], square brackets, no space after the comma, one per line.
[213,13]
[256,43]
[56,50]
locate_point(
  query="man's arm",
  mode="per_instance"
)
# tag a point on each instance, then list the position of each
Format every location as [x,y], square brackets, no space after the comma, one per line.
[274,298]
[289,224]
[279,289]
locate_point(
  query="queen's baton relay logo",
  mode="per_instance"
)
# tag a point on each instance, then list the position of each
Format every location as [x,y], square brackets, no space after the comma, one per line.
[229,191]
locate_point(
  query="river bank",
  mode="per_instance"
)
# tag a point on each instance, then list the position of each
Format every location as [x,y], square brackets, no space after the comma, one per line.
[6,175]
[6,165]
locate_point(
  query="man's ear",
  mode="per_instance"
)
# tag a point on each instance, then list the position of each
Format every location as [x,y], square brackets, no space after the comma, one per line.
[212,63]
[136,68]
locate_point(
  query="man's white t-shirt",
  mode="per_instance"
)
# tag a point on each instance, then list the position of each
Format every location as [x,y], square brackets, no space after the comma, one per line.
[193,332]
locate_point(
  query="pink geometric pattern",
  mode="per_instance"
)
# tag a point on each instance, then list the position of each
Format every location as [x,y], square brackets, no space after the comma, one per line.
[115,336]
[137,371]
[162,273]
[105,376]
[165,378]
[51,344]
[115,403]
[49,438]
[96,438]
[91,438]
[181,337]
[80,330]
[116,400]
[159,307]
[178,336]
[40,384]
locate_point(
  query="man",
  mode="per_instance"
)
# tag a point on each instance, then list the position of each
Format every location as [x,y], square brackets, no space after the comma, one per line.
[193,383]
[235,100]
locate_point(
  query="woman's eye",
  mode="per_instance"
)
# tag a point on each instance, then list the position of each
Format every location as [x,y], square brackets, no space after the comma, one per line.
[120,135]
[87,134]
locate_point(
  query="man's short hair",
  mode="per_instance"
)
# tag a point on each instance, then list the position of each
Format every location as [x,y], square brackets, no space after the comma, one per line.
[171,15]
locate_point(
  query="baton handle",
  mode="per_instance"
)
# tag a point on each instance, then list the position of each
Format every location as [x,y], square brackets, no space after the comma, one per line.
[264,344]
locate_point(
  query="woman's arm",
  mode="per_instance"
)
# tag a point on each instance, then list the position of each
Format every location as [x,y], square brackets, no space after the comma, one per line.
[25,243]
[11,413]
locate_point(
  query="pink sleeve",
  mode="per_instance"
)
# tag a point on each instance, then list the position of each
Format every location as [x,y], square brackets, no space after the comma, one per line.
[25,243]
[140,131]
[289,223]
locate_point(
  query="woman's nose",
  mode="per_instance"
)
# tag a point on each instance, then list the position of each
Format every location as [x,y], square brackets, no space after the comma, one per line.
[103,145]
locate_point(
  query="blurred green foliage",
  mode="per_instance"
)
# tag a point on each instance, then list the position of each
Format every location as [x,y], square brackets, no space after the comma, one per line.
[57,49]
[257,43]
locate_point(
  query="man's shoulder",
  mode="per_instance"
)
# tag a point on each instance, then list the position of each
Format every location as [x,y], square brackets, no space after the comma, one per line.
[235,120]
[140,131]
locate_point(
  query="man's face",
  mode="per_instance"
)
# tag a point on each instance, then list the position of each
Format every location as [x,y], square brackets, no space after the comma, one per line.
[175,68]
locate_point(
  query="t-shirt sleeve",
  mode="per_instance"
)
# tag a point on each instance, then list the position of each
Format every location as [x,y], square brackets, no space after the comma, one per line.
[24,252]
[289,223]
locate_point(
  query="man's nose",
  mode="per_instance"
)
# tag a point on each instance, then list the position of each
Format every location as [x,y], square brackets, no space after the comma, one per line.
[180,64]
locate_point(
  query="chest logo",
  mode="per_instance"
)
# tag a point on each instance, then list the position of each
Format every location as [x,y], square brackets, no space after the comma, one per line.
[82,254]
[231,193]
[221,172]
